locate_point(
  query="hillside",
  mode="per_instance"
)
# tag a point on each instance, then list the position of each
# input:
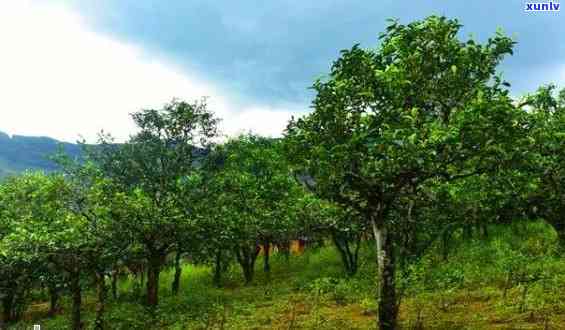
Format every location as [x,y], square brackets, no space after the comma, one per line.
[19,153]
[476,287]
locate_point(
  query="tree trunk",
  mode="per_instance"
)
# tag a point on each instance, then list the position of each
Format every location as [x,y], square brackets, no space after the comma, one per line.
[248,274]
[53,300]
[76,323]
[266,254]
[386,293]
[341,251]
[285,249]
[153,272]
[467,231]
[218,269]
[445,237]
[178,272]
[8,307]
[484,230]
[115,284]
[101,302]
[348,257]
[246,257]
[355,263]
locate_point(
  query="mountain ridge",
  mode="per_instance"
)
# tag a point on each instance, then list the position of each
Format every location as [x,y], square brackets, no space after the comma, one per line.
[19,153]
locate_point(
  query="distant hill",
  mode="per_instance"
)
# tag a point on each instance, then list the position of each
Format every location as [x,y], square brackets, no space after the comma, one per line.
[19,153]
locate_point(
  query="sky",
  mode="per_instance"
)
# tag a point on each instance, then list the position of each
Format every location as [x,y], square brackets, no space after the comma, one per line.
[69,69]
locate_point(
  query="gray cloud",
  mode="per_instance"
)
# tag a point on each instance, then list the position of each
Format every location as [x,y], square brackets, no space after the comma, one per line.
[269,52]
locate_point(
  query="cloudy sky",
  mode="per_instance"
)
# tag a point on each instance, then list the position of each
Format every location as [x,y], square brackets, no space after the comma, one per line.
[72,68]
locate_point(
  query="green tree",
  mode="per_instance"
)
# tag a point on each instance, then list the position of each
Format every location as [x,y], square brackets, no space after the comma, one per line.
[544,149]
[17,272]
[320,219]
[423,106]
[151,169]
[95,199]
[64,224]
[47,231]
[253,192]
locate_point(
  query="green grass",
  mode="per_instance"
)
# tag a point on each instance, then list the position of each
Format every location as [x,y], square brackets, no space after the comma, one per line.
[481,286]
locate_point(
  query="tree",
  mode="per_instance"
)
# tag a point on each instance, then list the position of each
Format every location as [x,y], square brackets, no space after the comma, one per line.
[545,150]
[424,106]
[212,229]
[64,223]
[150,170]
[253,191]
[94,199]
[17,274]
[47,231]
[320,219]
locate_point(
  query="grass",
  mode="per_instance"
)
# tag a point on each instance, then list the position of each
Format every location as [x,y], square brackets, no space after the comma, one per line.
[512,280]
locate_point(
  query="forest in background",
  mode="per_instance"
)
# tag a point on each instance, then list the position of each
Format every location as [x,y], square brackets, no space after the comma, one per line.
[417,180]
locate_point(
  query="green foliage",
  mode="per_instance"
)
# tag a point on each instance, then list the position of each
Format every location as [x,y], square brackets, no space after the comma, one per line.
[443,293]
[415,155]
[253,197]
[424,108]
